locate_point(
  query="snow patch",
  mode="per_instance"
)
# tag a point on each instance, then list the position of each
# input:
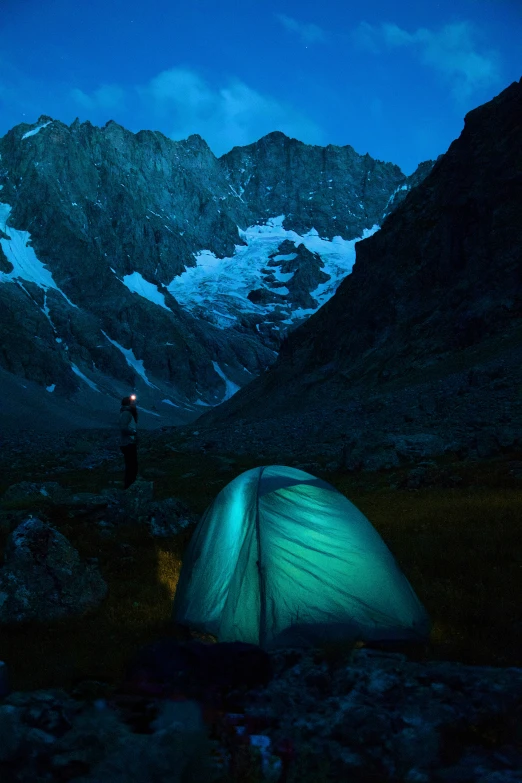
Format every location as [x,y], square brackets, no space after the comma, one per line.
[26,266]
[136,364]
[80,374]
[401,187]
[288,257]
[36,130]
[230,387]
[146,410]
[50,388]
[136,283]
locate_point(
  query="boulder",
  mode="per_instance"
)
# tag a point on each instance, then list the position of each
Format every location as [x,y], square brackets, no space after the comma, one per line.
[135,506]
[10,731]
[422,444]
[43,577]
[168,517]
[135,499]
[50,491]
[88,501]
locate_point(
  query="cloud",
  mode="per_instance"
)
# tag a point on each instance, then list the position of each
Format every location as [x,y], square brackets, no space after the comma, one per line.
[451,51]
[178,102]
[108,96]
[308,32]
[225,116]
[366,37]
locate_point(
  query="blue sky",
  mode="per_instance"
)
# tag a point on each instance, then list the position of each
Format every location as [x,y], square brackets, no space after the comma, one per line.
[390,77]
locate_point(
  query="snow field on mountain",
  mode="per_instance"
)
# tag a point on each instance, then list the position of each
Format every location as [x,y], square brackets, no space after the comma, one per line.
[80,374]
[217,288]
[132,361]
[138,285]
[230,387]
[23,258]
[36,130]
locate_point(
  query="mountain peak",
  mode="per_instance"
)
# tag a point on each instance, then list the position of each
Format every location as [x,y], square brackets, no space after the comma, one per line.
[112,123]
[276,135]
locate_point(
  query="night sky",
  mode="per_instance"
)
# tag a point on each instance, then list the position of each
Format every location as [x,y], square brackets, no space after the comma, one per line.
[390,77]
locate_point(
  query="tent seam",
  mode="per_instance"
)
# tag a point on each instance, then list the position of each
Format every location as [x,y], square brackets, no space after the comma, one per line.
[262,596]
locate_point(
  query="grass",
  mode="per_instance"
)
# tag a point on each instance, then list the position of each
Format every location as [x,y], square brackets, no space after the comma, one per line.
[460,548]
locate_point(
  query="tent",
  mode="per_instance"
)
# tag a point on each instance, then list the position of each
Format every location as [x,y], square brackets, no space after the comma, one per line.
[281,558]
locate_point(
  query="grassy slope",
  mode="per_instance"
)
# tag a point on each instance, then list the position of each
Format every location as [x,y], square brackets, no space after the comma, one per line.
[460,548]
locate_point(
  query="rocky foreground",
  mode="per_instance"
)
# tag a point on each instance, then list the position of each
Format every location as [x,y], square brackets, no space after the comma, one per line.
[190,711]
[375,716]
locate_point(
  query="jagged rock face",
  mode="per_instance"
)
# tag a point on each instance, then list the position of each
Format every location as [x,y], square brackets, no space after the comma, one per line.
[104,223]
[441,278]
[331,188]
[43,577]
[304,269]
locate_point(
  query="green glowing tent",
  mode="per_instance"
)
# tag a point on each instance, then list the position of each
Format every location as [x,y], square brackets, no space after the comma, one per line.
[281,558]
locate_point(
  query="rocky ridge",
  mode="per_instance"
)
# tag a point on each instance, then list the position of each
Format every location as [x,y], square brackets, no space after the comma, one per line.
[375,717]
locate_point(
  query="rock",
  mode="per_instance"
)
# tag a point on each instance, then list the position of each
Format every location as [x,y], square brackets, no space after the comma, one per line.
[10,731]
[174,754]
[396,719]
[95,733]
[419,445]
[43,577]
[374,716]
[49,491]
[136,498]
[9,520]
[381,459]
[48,736]
[88,501]
[168,517]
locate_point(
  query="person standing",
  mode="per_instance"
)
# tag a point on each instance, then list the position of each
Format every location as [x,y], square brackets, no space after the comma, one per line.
[128,443]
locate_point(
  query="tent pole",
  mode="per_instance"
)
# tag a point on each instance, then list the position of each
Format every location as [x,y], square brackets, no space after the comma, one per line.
[261,569]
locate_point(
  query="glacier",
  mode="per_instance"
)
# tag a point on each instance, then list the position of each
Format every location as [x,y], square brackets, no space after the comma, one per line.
[217,289]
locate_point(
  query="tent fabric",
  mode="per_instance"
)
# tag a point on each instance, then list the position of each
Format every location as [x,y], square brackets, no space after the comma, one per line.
[281,558]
